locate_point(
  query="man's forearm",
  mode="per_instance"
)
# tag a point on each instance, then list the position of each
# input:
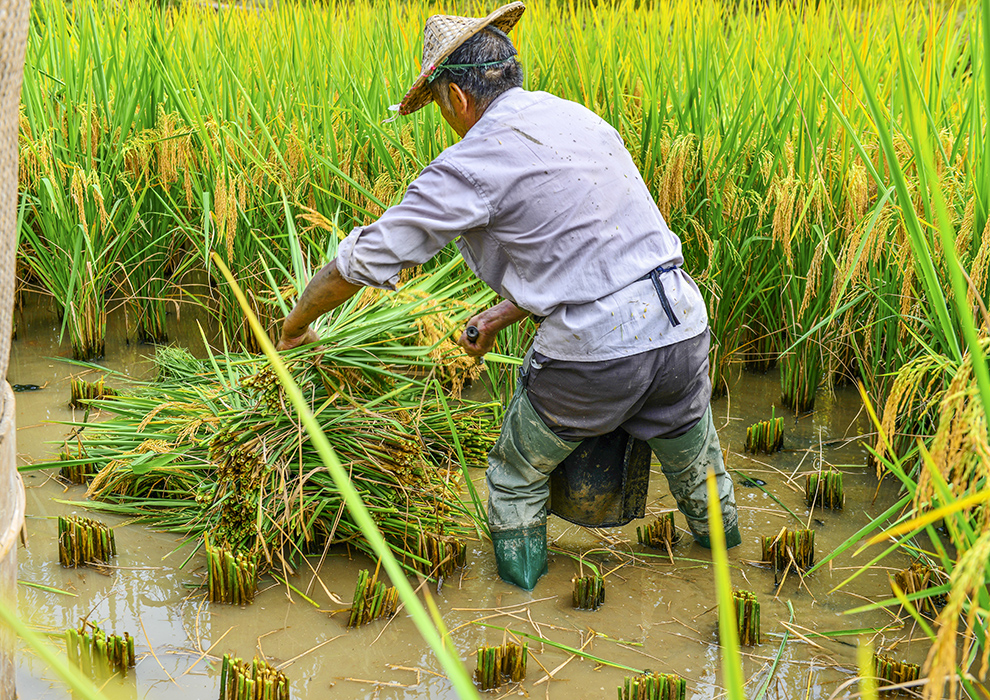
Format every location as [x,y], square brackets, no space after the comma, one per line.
[500,316]
[325,292]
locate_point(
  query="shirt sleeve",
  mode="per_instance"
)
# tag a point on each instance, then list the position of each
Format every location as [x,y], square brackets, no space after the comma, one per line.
[440,205]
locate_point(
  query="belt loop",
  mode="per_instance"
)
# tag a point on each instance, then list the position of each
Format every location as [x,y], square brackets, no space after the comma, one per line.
[655,276]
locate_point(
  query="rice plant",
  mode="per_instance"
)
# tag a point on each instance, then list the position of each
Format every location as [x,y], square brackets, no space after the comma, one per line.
[941,245]
[800,225]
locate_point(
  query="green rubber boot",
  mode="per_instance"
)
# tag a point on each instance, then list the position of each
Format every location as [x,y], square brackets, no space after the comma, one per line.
[521,555]
[518,476]
[685,461]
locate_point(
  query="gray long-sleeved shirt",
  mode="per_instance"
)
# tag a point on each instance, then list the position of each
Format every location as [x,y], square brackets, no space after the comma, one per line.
[549,209]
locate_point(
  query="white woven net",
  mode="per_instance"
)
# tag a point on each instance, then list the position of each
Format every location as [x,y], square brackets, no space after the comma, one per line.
[13,37]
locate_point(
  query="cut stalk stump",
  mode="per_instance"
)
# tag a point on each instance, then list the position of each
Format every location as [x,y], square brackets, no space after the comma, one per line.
[232,576]
[240,680]
[824,489]
[894,672]
[747,617]
[589,592]
[660,534]
[797,546]
[500,665]
[83,541]
[372,600]
[99,655]
[653,686]
[766,436]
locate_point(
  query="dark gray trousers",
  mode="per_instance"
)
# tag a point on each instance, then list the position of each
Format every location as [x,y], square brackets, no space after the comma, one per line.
[661,396]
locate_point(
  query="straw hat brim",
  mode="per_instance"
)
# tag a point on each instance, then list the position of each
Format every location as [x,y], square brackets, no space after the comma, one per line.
[419,95]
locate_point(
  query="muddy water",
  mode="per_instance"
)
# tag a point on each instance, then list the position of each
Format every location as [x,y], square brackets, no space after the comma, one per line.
[658,614]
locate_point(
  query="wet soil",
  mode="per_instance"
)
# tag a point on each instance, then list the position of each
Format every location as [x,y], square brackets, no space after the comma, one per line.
[659,612]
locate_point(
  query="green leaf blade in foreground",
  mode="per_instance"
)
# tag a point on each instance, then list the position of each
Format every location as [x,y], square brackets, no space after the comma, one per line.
[434,635]
[732,675]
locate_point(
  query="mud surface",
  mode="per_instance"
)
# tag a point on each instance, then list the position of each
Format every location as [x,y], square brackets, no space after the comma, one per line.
[658,613]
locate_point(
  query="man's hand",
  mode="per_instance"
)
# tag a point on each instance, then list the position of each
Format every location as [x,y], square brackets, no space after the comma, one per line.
[305,338]
[489,322]
[485,340]
[325,292]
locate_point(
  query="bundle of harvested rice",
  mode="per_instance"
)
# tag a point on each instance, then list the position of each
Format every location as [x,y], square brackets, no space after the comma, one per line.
[212,447]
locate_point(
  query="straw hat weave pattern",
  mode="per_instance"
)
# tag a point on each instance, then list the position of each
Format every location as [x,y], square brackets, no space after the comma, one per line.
[442,36]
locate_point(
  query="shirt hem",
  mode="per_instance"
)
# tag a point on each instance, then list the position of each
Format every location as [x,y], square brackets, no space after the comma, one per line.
[667,340]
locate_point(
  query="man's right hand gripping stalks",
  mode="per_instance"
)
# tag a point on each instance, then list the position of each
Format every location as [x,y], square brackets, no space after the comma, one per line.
[308,336]
[487,324]
[325,292]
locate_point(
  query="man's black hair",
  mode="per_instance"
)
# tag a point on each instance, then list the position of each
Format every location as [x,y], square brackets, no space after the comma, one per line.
[485,83]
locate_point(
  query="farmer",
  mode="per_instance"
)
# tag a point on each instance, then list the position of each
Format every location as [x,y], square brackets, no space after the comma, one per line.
[547,207]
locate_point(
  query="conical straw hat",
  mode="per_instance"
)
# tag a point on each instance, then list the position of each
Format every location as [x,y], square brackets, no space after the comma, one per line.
[442,36]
